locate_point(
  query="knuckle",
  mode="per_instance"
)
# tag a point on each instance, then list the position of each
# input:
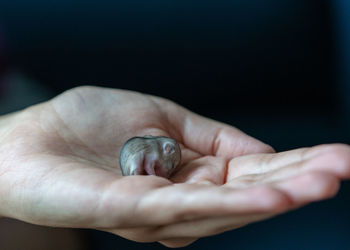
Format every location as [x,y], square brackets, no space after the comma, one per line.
[272,199]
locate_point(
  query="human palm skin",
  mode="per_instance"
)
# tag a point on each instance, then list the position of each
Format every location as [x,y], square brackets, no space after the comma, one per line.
[59,166]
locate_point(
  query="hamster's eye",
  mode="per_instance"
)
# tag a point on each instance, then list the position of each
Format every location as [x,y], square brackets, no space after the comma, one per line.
[169,148]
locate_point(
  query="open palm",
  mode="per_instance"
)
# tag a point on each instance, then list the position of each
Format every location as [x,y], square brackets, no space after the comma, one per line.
[60,167]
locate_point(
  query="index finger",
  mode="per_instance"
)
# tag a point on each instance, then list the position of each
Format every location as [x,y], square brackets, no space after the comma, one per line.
[182,202]
[209,137]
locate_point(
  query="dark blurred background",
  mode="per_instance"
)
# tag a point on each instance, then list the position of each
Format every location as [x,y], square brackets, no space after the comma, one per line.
[276,69]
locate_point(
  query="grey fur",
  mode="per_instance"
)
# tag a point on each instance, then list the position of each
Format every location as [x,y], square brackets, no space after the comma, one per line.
[164,154]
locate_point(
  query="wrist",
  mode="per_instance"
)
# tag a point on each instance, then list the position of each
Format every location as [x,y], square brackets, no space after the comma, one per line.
[7,127]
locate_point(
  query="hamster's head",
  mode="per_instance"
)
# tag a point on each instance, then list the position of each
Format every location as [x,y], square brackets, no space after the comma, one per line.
[170,155]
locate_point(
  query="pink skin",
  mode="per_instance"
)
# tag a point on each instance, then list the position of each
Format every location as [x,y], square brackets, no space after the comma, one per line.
[152,166]
[148,166]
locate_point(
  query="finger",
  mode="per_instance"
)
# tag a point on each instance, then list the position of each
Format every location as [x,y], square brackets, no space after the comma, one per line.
[334,158]
[189,230]
[302,190]
[209,137]
[207,227]
[151,234]
[182,202]
[263,163]
[310,187]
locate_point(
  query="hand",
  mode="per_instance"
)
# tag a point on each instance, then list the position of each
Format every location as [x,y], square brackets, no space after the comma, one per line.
[59,166]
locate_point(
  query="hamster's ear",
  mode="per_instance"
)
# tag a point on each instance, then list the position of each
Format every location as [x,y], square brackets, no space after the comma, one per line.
[168,148]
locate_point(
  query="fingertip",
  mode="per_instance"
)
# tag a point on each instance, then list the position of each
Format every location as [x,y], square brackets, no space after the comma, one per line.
[313,186]
[265,148]
[322,185]
[336,156]
[254,146]
[341,155]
